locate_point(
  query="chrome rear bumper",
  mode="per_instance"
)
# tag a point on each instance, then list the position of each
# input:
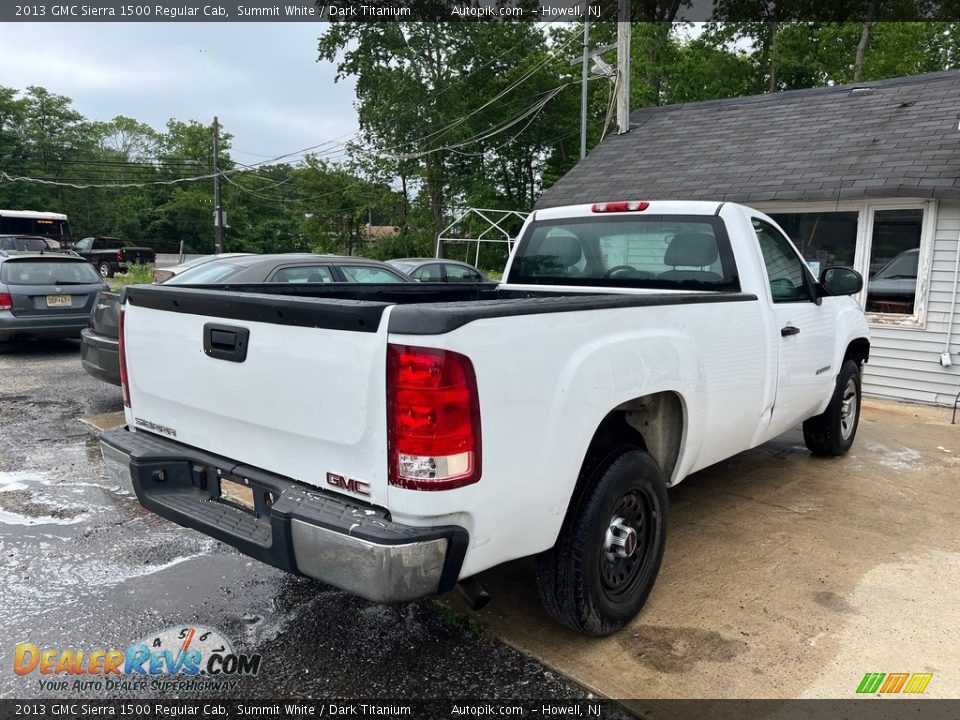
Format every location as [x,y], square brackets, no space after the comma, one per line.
[292,526]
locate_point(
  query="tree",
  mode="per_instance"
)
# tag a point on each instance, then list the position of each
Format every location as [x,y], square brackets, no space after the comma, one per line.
[435,103]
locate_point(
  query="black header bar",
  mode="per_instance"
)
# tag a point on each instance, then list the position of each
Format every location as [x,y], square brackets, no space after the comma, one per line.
[322,11]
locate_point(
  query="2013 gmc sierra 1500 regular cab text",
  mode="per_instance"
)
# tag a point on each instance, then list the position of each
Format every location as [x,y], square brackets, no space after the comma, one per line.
[393,441]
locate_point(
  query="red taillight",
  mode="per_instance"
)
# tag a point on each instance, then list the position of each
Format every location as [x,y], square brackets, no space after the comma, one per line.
[122,353]
[120,256]
[433,419]
[632,206]
[6,301]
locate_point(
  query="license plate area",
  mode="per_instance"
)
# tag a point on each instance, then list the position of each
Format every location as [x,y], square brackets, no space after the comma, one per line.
[237,492]
[59,300]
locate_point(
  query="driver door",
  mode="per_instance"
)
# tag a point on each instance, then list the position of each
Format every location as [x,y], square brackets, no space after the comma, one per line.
[805,331]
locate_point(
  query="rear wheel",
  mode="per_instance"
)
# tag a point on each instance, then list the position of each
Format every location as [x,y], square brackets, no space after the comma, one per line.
[106,270]
[601,571]
[832,432]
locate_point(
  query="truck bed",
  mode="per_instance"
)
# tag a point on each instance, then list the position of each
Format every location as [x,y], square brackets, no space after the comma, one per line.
[421,309]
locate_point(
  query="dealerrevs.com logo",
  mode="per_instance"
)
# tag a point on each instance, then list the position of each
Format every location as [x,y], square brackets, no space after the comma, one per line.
[180,659]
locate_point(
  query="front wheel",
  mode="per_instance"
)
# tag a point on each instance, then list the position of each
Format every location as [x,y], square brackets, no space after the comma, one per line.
[106,270]
[600,572]
[831,433]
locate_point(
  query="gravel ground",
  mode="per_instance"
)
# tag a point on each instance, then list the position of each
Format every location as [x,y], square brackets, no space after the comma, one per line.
[85,567]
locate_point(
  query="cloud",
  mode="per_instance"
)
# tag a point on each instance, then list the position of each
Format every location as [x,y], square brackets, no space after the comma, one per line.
[261,79]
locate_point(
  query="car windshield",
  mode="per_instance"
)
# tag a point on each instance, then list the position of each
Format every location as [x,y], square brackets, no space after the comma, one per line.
[405,266]
[48,272]
[903,266]
[210,272]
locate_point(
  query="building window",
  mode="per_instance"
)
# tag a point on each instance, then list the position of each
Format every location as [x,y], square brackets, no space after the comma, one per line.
[823,238]
[894,261]
[887,243]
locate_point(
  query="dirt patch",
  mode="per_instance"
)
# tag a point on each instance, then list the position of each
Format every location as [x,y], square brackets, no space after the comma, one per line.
[832,601]
[675,650]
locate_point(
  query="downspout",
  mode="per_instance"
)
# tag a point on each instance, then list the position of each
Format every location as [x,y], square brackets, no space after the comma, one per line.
[945,357]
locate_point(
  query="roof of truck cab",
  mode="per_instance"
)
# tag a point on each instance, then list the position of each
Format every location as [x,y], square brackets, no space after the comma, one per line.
[655,207]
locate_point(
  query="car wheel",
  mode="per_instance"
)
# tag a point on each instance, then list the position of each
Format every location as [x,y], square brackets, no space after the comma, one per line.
[605,562]
[106,270]
[832,432]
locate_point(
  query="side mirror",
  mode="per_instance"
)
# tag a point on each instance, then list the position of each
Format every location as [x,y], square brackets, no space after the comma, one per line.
[841,281]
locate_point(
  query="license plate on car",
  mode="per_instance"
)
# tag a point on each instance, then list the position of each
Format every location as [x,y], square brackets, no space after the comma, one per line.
[58,300]
[236,493]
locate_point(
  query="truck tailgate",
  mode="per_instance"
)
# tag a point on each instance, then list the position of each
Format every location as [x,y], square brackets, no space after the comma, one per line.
[135,255]
[298,395]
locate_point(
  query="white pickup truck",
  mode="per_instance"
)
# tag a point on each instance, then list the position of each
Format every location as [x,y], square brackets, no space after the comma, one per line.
[394,441]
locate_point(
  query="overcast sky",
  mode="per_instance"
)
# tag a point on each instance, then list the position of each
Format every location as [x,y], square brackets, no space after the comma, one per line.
[261,79]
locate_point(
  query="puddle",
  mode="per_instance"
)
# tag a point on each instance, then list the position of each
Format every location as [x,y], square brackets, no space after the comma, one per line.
[21,505]
[896,460]
[104,421]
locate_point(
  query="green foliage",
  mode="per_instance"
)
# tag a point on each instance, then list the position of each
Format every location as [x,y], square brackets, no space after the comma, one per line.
[428,94]
[139,274]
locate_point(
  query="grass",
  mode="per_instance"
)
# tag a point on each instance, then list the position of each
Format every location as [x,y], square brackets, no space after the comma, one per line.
[457,619]
[137,275]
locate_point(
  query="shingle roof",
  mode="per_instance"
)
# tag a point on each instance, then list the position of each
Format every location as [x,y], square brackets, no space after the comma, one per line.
[892,138]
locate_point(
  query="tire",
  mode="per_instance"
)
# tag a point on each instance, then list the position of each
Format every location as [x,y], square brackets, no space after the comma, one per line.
[582,582]
[106,270]
[831,433]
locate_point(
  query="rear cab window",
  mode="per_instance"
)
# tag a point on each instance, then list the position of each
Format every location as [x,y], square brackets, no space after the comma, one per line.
[664,252]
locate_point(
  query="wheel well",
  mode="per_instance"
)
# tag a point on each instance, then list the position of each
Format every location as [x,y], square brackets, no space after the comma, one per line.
[652,422]
[858,351]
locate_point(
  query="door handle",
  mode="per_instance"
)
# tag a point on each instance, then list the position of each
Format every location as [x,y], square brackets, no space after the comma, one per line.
[789,330]
[225,342]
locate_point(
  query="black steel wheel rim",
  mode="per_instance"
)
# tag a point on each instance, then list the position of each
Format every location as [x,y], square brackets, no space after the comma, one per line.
[620,577]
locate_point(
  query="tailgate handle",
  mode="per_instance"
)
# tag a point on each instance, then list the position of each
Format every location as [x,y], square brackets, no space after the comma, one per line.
[225,342]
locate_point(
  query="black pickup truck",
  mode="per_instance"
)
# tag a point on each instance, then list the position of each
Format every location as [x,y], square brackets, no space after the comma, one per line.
[112,255]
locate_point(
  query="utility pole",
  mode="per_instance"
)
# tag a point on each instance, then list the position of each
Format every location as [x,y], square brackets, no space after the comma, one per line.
[217,201]
[583,86]
[623,66]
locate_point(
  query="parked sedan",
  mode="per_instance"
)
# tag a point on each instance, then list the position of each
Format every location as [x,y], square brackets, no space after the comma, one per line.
[289,268]
[163,274]
[45,295]
[439,270]
[98,348]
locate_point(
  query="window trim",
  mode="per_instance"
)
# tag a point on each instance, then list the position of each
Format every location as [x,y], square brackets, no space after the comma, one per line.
[866,211]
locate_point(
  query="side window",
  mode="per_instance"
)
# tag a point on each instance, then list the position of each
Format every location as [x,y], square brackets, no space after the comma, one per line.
[785,269]
[429,273]
[303,274]
[369,274]
[84,244]
[456,273]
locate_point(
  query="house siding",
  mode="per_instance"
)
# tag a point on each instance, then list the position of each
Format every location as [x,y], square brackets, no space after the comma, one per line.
[905,362]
